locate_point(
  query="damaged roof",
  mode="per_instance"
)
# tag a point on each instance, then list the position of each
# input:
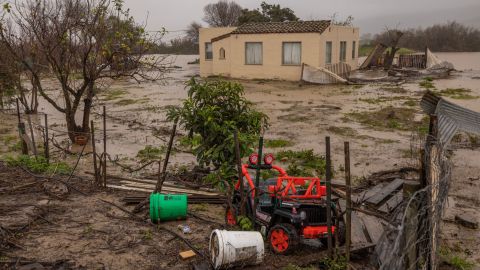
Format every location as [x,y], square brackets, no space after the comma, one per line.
[278,28]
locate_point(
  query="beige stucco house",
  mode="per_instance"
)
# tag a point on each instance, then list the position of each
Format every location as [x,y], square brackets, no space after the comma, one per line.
[275,50]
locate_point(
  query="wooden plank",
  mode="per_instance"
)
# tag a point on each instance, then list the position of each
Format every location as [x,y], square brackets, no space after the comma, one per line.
[392,203]
[387,190]
[129,188]
[187,254]
[373,226]
[141,184]
[358,234]
[366,194]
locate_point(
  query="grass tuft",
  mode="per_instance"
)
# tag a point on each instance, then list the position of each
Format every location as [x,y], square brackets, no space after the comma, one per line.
[38,164]
[277,143]
[457,93]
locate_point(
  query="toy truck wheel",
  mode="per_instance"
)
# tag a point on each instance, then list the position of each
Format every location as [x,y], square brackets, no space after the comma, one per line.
[283,238]
[230,217]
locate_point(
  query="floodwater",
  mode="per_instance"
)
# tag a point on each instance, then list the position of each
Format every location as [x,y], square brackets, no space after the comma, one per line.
[461,60]
[302,114]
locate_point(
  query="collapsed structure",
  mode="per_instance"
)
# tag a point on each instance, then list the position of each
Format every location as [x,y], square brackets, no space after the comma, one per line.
[414,64]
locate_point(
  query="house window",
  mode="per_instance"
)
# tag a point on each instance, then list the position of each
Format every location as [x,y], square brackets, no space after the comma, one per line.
[354,47]
[253,53]
[221,53]
[328,52]
[208,51]
[343,51]
[292,53]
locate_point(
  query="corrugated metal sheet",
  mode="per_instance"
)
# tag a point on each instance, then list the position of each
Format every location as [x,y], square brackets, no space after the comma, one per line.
[451,117]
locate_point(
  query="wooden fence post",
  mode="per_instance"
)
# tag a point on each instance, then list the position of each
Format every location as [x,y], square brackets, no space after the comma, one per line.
[46,143]
[30,126]
[432,175]
[104,147]
[240,174]
[348,221]
[257,175]
[411,224]
[328,178]
[21,131]
[158,187]
[95,168]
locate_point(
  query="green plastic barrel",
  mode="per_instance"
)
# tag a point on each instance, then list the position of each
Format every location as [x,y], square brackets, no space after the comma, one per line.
[167,207]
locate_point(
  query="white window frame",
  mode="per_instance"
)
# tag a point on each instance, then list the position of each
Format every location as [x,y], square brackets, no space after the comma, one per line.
[207,51]
[257,60]
[354,49]
[291,62]
[343,51]
[328,53]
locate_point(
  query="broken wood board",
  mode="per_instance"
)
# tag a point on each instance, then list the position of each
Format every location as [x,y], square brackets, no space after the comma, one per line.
[366,194]
[115,178]
[187,254]
[392,203]
[147,190]
[358,230]
[385,192]
[150,187]
[373,226]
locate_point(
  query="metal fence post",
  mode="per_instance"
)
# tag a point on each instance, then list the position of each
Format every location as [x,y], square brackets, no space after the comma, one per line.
[328,178]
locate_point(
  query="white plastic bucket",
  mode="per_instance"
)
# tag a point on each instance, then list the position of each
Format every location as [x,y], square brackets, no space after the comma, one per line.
[234,248]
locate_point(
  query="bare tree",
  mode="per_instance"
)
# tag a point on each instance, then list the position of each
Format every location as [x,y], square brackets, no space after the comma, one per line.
[222,14]
[391,39]
[85,44]
[15,80]
[346,22]
[193,30]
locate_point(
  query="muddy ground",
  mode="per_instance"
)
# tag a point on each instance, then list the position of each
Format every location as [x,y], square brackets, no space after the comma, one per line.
[381,122]
[83,228]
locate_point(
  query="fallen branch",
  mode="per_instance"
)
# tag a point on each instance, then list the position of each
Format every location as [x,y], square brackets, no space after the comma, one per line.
[204,219]
[186,242]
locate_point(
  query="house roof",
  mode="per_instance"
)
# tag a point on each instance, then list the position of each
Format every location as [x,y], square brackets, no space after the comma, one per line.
[283,27]
[278,27]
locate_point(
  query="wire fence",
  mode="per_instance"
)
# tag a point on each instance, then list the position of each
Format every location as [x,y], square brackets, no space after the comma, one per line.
[411,241]
[56,145]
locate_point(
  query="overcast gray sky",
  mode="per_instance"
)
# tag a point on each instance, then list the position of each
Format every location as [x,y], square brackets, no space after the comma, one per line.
[370,15]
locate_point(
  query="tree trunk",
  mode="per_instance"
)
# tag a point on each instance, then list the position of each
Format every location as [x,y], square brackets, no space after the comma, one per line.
[1,98]
[389,58]
[72,127]
[34,97]
[87,108]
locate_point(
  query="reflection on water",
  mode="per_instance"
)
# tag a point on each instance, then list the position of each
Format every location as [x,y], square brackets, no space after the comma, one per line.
[461,60]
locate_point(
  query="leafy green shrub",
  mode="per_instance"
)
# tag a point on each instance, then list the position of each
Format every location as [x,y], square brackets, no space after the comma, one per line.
[151,153]
[266,174]
[190,142]
[15,147]
[456,261]
[38,164]
[213,110]
[339,263]
[292,266]
[245,223]
[277,143]
[303,163]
